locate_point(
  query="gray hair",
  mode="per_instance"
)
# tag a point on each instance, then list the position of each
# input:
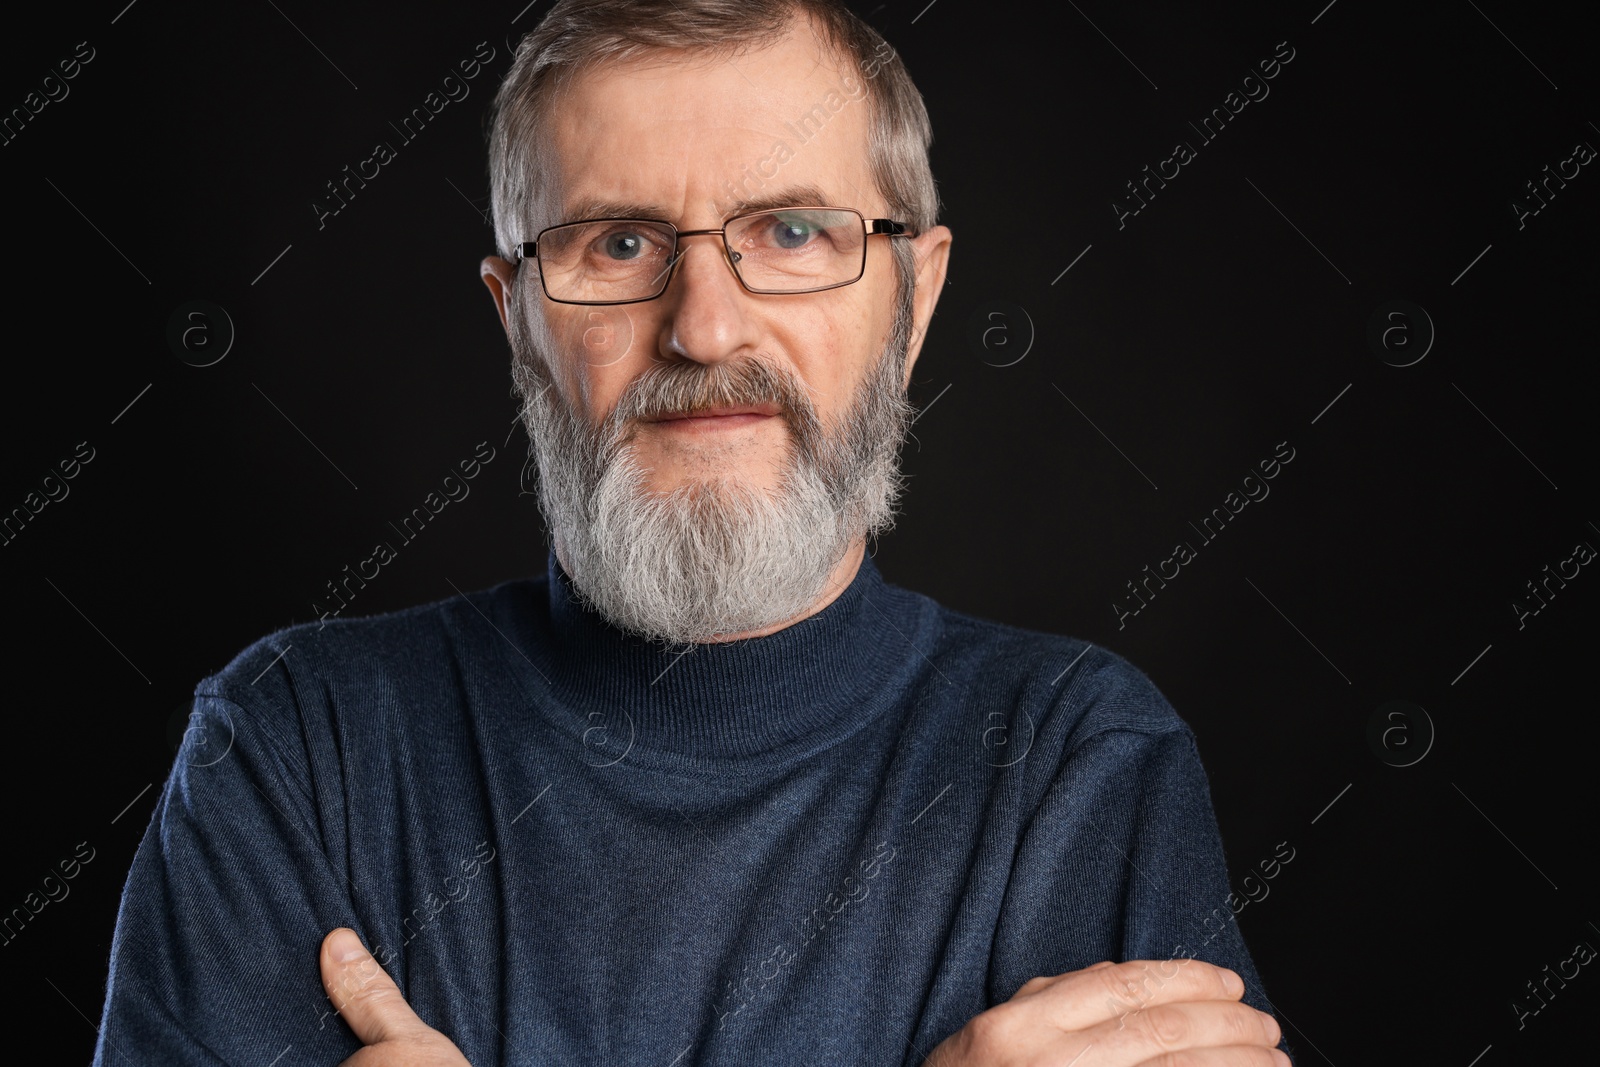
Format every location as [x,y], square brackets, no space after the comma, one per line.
[577,35]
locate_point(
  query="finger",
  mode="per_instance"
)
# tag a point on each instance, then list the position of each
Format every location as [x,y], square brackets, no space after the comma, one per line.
[1045,981]
[1094,995]
[363,993]
[1246,1056]
[1185,1027]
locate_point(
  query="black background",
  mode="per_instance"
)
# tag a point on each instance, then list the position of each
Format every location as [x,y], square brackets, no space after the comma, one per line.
[1178,351]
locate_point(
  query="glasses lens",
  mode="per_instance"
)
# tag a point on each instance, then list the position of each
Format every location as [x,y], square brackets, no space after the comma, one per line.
[797,248]
[616,259]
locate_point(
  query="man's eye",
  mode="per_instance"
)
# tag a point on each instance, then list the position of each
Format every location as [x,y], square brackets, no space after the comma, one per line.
[791,234]
[624,245]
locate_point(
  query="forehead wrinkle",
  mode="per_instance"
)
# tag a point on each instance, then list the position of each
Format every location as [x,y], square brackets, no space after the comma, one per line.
[800,194]
[727,126]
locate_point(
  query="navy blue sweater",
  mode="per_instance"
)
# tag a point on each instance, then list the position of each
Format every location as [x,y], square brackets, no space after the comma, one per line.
[834,844]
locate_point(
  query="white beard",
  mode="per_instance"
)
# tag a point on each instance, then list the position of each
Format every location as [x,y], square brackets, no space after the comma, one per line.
[713,557]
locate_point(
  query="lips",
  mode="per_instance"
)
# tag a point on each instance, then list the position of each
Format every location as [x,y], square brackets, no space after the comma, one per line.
[718,412]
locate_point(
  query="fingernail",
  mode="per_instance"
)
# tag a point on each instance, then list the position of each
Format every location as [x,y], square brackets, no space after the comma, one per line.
[346,946]
[1234,983]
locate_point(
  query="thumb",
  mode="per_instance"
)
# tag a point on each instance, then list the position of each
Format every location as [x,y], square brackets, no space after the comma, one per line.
[363,993]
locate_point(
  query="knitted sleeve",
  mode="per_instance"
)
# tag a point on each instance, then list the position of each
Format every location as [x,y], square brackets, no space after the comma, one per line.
[215,955]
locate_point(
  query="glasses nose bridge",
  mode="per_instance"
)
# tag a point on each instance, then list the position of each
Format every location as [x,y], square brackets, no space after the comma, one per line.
[729,256]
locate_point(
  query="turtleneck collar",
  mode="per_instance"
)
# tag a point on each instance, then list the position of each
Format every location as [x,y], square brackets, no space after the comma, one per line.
[729,705]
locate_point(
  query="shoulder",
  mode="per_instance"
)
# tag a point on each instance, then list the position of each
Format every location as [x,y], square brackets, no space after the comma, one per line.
[1080,737]
[1069,707]
[1081,688]
[393,652]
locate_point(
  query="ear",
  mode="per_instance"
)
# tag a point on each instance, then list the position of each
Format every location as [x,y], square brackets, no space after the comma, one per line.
[931,250]
[499,275]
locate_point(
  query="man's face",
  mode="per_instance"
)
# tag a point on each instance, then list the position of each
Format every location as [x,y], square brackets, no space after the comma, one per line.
[688,527]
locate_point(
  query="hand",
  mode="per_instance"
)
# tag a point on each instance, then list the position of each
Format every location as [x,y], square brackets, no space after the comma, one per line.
[371,1003]
[1120,1015]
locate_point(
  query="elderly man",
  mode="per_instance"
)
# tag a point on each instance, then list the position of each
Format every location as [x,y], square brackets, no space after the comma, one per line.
[710,790]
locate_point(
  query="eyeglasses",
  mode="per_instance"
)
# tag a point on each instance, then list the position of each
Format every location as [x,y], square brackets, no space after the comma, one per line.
[783,250]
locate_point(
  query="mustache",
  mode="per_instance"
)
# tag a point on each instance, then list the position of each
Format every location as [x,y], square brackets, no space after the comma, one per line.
[670,388]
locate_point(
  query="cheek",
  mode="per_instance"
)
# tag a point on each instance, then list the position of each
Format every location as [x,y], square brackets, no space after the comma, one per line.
[825,345]
[595,352]
[604,338]
[845,342]
[883,295]
[590,338]
[873,326]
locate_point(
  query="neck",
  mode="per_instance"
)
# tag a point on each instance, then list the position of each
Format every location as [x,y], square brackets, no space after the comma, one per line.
[721,705]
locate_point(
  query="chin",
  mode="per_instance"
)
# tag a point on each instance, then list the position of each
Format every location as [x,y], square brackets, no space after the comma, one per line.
[702,473]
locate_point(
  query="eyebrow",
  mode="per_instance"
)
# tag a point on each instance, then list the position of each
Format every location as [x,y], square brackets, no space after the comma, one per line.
[806,195]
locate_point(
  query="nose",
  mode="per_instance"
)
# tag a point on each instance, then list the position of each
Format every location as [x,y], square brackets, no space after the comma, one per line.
[708,313]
